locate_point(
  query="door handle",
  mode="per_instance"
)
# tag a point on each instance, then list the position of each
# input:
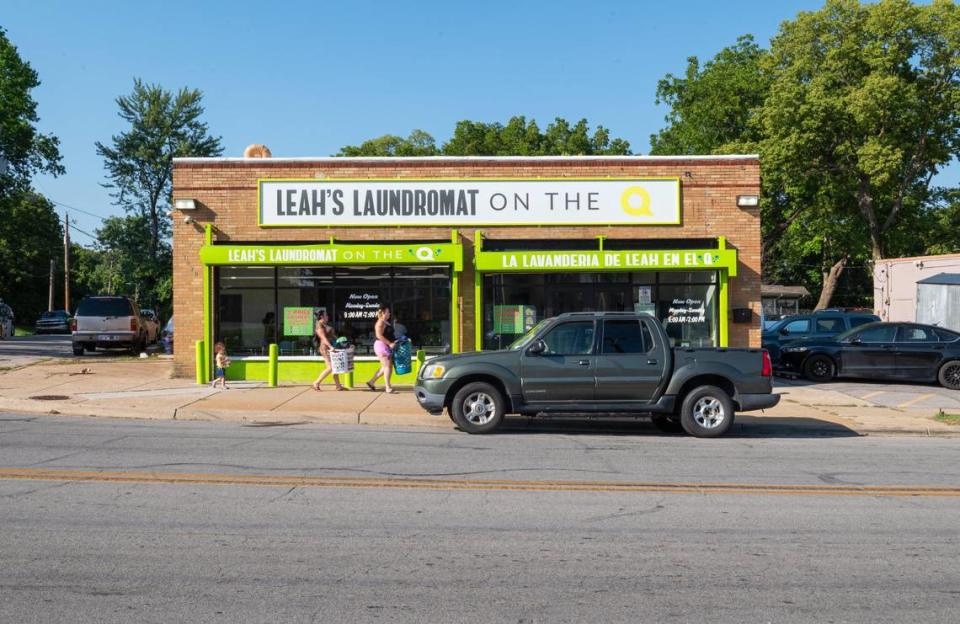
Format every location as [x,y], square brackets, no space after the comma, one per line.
[651,362]
[584,362]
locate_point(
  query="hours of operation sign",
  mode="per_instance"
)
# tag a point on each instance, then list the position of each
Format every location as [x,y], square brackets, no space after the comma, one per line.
[466,202]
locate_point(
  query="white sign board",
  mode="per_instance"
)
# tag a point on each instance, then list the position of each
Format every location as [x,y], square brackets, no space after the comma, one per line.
[469,202]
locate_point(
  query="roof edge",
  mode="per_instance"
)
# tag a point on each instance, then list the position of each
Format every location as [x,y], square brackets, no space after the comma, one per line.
[407,159]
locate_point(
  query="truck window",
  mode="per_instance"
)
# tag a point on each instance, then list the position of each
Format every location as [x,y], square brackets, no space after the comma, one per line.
[800,326]
[570,339]
[829,325]
[625,336]
[104,307]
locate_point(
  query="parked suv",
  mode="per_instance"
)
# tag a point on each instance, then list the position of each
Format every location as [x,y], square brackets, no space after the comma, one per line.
[151,325]
[108,323]
[53,322]
[819,324]
[599,362]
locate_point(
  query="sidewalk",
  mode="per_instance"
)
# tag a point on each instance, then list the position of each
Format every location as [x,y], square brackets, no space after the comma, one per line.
[129,388]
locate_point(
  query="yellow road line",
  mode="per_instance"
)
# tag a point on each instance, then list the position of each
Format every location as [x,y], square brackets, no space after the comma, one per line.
[915,400]
[870,395]
[181,478]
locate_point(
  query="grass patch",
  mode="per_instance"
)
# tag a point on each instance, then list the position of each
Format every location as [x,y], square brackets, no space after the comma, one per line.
[23,331]
[950,419]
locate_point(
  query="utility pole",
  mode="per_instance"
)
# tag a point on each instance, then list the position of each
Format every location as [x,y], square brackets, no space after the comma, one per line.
[53,266]
[66,263]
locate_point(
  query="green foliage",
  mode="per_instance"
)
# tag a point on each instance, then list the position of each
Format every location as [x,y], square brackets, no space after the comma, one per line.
[139,162]
[419,143]
[22,147]
[517,138]
[30,236]
[711,108]
[853,109]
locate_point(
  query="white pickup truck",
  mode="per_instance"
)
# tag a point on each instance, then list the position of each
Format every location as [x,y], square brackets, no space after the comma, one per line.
[109,323]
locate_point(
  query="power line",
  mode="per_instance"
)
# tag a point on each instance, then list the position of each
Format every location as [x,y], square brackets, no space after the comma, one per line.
[76,229]
[81,210]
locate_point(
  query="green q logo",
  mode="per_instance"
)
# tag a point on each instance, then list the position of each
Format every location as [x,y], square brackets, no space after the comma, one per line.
[635,201]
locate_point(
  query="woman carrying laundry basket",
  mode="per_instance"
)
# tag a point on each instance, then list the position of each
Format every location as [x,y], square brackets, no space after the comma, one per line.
[325,334]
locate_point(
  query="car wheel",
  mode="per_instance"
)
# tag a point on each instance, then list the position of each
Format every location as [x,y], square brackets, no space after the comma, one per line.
[819,368]
[78,349]
[666,424]
[478,408]
[949,376]
[707,412]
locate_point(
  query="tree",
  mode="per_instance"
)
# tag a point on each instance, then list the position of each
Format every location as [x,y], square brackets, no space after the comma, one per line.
[121,269]
[517,138]
[30,236]
[24,151]
[139,162]
[865,101]
[419,143]
[711,107]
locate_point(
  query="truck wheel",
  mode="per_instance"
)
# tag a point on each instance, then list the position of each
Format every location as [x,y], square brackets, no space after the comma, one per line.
[477,408]
[707,412]
[78,349]
[818,368]
[666,424]
[949,376]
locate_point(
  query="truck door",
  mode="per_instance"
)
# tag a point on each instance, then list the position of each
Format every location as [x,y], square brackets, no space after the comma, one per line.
[630,364]
[565,371]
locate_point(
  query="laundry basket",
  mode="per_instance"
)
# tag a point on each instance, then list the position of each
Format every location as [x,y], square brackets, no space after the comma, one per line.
[341,360]
[402,356]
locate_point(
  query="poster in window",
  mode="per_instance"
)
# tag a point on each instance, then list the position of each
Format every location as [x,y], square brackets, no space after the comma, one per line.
[298,321]
[513,319]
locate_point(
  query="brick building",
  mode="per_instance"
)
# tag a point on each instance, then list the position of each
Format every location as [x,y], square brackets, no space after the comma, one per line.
[469,252]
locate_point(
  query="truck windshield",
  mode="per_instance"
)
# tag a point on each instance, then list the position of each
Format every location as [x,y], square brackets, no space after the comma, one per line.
[524,340]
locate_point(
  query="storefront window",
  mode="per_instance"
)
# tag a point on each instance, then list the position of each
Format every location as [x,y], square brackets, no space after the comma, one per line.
[246,309]
[685,302]
[257,306]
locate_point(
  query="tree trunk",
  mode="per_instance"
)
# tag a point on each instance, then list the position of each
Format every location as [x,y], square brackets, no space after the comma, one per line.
[830,280]
[865,204]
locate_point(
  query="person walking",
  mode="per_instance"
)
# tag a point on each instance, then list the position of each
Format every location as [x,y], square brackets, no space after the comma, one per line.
[383,348]
[325,335]
[221,362]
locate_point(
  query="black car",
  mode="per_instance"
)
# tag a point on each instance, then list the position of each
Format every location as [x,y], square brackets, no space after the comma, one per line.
[53,322]
[819,324]
[894,351]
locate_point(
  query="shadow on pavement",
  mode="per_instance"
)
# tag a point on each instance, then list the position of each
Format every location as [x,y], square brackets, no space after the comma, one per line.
[745,426]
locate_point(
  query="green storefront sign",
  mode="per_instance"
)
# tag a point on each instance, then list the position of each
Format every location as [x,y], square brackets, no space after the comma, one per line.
[334,254]
[614,260]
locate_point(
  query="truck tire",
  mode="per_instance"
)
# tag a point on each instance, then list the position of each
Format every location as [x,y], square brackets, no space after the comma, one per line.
[666,424]
[78,349]
[819,368]
[478,407]
[707,412]
[949,376]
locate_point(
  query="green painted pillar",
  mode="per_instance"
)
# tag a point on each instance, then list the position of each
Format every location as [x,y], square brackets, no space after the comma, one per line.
[272,366]
[201,362]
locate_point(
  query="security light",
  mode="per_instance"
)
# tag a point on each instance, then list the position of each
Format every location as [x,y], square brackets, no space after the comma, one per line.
[748,201]
[185,204]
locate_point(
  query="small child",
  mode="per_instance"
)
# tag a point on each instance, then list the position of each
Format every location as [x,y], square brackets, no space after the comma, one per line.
[221,362]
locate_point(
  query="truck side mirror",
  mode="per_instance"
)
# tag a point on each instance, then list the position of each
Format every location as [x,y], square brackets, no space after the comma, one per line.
[537,348]
[783,331]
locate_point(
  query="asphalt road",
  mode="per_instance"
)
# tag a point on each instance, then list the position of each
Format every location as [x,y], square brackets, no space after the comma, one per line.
[24,350]
[123,521]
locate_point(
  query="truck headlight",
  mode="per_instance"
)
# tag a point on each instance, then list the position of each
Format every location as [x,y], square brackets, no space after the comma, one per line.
[434,371]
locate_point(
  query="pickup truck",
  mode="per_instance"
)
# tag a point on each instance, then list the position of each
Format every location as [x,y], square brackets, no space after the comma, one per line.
[599,363]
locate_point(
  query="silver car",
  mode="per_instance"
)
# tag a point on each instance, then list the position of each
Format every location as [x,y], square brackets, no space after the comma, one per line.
[108,323]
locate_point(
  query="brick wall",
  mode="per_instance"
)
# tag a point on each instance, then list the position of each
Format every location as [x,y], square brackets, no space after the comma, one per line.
[226,192]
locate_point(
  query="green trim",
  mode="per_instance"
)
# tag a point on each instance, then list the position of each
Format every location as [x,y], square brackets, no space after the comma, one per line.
[333,254]
[477,293]
[200,358]
[723,309]
[301,371]
[207,324]
[595,260]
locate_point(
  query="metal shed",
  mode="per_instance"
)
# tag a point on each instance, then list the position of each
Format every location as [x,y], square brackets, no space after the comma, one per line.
[938,300]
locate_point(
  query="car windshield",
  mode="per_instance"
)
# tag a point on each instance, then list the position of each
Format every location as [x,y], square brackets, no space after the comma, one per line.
[770,326]
[104,307]
[49,315]
[524,340]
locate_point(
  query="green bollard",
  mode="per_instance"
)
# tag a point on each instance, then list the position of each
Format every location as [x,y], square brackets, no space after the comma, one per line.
[201,363]
[272,366]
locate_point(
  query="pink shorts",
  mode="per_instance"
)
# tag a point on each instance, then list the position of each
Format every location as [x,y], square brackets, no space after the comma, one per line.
[381,349]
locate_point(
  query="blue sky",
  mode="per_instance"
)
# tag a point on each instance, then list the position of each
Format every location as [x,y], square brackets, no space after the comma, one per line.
[306,78]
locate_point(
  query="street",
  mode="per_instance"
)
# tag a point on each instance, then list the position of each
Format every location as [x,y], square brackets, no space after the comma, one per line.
[159,521]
